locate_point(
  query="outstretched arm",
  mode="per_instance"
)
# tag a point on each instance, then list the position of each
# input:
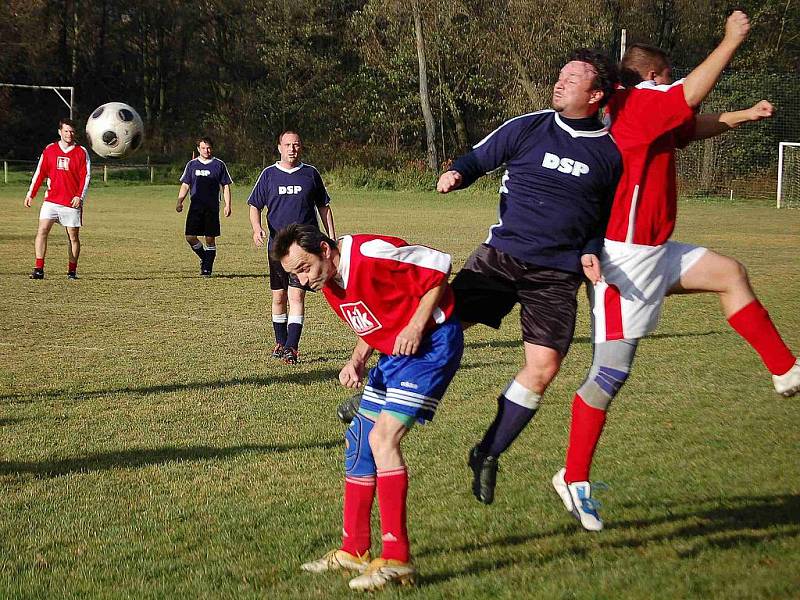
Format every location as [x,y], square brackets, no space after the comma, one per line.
[710,125]
[704,77]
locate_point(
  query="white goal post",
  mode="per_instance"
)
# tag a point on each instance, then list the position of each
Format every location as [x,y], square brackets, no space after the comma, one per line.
[55,88]
[782,183]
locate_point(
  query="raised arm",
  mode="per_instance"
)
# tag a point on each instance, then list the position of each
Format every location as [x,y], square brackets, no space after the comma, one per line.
[704,77]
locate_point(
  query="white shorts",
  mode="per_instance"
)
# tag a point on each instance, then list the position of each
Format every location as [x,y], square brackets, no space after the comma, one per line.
[626,304]
[64,215]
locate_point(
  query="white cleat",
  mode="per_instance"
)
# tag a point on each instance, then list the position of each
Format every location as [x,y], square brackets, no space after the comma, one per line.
[577,499]
[788,384]
[383,571]
[338,560]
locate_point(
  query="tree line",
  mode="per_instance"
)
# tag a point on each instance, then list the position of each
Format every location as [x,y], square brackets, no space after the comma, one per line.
[389,83]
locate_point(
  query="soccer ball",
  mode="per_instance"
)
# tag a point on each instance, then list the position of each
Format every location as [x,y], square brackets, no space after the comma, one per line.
[114,130]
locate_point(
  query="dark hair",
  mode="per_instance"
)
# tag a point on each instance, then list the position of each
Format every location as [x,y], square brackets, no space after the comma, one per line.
[308,237]
[205,139]
[69,122]
[284,132]
[638,60]
[607,75]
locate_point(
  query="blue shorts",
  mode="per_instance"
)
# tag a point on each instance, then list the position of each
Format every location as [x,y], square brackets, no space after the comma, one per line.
[413,385]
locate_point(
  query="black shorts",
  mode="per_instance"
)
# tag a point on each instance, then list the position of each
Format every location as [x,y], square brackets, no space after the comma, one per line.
[202,221]
[492,282]
[279,279]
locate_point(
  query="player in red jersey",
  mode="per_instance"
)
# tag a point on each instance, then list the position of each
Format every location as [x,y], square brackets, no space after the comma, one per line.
[67,168]
[650,119]
[396,298]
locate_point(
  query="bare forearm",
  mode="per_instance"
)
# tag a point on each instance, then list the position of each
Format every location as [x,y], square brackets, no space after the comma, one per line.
[183,192]
[226,194]
[255,219]
[361,352]
[427,304]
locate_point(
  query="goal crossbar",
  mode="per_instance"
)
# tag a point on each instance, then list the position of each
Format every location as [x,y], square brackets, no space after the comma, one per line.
[55,88]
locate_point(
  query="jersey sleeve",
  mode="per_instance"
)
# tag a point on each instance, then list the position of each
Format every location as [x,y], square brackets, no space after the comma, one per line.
[259,195]
[418,269]
[85,173]
[42,169]
[491,152]
[649,111]
[225,178]
[187,174]
[321,197]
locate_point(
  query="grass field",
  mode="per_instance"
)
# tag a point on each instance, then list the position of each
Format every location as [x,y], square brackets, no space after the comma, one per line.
[150,448]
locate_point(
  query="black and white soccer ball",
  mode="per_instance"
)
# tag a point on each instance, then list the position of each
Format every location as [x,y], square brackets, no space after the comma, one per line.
[114,130]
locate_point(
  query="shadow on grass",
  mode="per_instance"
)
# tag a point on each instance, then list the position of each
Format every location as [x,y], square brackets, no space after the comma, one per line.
[744,521]
[587,340]
[138,458]
[4,422]
[298,377]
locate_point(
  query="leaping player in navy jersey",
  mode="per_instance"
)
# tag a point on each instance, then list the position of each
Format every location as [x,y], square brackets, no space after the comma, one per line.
[561,170]
[396,298]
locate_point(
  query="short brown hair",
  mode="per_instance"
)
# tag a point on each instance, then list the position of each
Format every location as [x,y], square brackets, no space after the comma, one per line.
[638,60]
[69,122]
[308,237]
[606,78]
[205,139]
[286,131]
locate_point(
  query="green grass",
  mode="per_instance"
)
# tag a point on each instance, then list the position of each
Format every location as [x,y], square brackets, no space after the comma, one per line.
[150,448]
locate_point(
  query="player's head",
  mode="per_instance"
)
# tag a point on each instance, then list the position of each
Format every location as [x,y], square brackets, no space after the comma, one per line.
[584,84]
[66,130]
[642,62]
[307,253]
[205,147]
[290,147]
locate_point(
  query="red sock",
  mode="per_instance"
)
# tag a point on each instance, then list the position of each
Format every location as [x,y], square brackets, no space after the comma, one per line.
[587,425]
[40,263]
[753,323]
[392,492]
[72,267]
[358,495]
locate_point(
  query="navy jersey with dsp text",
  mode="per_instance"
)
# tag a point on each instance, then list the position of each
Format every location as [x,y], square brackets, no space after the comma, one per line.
[289,195]
[557,189]
[204,179]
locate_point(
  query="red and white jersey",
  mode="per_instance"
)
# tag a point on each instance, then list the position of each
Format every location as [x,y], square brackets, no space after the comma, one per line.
[648,122]
[379,285]
[67,170]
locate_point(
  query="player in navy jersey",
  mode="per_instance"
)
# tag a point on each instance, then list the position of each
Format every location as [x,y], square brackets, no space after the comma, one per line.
[555,196]
[396,298]
[202,178]
[292,192]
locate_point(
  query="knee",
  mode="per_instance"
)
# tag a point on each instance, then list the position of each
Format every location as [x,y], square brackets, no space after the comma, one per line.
[539,374]
[602,385]
[380,443]
[735,273]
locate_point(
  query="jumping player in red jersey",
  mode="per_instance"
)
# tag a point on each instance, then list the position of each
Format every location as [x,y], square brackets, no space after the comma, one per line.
[67,168]
[396,298]
[650,119]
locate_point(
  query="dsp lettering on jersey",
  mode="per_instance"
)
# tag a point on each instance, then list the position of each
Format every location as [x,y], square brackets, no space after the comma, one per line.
[62,163]
[360,318]
[564,165]
[202,172]
[290,189]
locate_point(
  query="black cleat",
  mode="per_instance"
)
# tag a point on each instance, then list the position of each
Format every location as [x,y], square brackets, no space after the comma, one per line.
[72,275]
[37,274]
[290,356]
[277,351]
[347,409]
[205,272]
[484,474]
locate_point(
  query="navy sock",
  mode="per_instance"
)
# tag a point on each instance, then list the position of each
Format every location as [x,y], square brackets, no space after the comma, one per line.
[198,249]
[279,325]
[511,419]
[294,329]
[210,255]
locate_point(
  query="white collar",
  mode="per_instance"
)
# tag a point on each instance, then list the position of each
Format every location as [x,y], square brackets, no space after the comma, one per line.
[66,149]
[292,170]
[576,134]
[204,161]
[343,270]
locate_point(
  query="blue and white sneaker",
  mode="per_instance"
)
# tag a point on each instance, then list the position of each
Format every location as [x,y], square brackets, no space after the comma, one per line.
[577,499]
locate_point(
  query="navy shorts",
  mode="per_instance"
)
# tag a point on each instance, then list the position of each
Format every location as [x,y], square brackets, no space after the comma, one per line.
[202,221]
[279,279]
[414,385]
[492,282]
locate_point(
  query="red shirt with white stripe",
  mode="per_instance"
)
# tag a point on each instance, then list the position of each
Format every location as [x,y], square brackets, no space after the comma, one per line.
[648,122]
[379,284]
[68,171]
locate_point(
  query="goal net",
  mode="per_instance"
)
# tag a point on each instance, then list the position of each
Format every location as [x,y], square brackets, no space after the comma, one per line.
[788,175]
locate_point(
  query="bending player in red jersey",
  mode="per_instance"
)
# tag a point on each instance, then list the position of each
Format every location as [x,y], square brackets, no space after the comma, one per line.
[396,298]
[67,168]
[650,118]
